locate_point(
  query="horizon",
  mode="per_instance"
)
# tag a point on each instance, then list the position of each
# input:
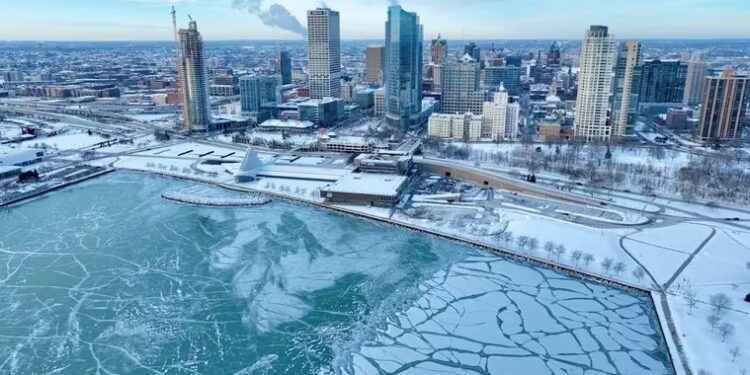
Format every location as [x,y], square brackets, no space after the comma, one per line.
[284,20]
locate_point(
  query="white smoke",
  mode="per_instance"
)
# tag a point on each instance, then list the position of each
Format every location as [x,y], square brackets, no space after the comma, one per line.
[276,15]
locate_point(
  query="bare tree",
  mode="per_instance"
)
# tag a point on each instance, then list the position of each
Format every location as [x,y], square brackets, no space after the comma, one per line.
[692,301]
[725,330]
[735,352]
[619,268]
[639,274]
[587,260]
[560,251]
[607,264]
[522,242]
[720,302]
[533,245]
[576,256]
[549,247]
[713,320]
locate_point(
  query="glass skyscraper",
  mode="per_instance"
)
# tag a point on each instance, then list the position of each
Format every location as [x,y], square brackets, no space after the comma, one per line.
[403,70]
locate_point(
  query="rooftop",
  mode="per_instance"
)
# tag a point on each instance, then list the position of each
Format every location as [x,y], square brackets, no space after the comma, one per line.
[368,184]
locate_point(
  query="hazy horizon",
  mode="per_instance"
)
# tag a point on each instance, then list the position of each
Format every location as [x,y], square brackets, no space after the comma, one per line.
[284,20]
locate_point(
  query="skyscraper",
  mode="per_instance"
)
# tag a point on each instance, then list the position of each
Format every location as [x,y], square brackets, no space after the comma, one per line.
[696,74]
[662,81]
[509,76]
[594,84]
[554,56]
[324,53]
[196,107]
[439,51]
[284,66]
[725,99]
[403,71]
[375,61]
[625,98]
[461,87]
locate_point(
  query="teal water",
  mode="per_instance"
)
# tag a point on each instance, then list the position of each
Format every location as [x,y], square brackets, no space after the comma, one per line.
[108,278]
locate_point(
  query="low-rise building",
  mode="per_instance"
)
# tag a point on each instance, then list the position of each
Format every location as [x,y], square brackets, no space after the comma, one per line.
[383,190]
[385,164]
[460,126]
[292,126]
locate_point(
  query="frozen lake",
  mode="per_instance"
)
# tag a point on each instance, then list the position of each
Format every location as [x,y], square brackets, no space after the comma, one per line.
[107,277]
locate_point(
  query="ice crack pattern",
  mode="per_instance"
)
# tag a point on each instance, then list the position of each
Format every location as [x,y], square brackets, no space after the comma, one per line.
[108,278]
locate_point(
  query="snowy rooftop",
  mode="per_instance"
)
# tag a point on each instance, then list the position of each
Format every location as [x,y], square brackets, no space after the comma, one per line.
[274,123]
[370,184]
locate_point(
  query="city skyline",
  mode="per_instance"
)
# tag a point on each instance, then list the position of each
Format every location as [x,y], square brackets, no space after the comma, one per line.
[136,20]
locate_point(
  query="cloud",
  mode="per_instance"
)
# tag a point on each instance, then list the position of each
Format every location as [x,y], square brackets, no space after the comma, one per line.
[276,15]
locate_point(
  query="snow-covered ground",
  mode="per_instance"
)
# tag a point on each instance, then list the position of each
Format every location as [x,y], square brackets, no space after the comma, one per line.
[71,140]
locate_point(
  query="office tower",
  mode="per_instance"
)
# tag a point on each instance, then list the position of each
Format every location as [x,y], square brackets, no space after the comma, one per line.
[662,81]
[696,74]
[259,95]
[375,61]
[508,76]
[284,66]
[196,107]
[723,108]
[474,51]
[324,53]
[439,51]
[554,56]
[625,98]
[403,72]
[461,87]
[495,115]
[594,84]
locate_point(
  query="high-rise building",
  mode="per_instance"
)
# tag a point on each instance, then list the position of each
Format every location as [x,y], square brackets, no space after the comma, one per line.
[461,92]
[194,88]
[594,84]
[509,76]
[723,109]
[258,95]
[662,81]
[696,76]
[324,53]
[627,87]
[554,56]
[284,66]
[403,68]
[439,51]
[375,61]
[473,50]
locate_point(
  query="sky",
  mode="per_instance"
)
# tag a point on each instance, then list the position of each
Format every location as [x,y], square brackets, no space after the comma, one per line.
[91,20]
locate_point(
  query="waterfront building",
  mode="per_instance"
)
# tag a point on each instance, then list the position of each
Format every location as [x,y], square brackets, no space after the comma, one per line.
[194,88]
[594,84]
[627,88]
[403,73]
[725,99]
[324,53]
